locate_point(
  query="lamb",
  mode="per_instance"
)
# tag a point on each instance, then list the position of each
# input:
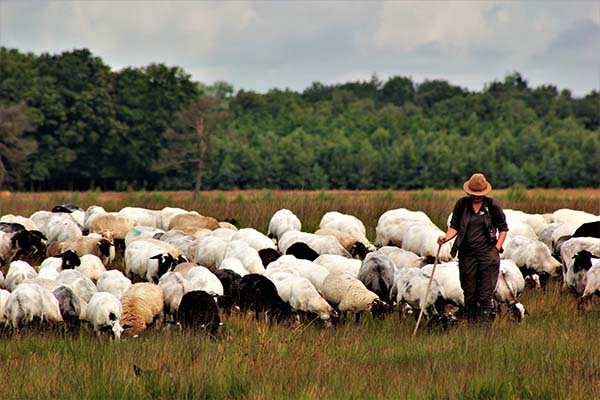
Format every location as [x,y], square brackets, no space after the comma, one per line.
[104,312]
[404,258]
[335,263]
[349,294]
[91,266]
[532,256]
[198,310]
[143,304]
[113,282]
[322,244]
[509,287]
[246,254]
[281,222]
[254,238]
[18,271]
[96,245]
[30,303]
[147,261]
[421,239]
[259,294]
[377,274]
[192,222]
[81,285]
[302,296]
[392,225]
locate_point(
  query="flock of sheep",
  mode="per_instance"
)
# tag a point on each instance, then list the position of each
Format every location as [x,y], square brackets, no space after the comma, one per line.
[180,267]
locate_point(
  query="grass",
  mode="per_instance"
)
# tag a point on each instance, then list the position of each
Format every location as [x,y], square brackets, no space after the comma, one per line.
[555,353]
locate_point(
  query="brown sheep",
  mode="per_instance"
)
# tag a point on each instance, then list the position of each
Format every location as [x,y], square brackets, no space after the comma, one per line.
[143,303]
[191,223]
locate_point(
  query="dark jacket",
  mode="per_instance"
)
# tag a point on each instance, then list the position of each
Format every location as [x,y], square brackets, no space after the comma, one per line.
[495,220]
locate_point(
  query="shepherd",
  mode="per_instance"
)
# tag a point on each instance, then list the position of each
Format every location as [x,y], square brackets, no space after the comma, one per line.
[479,224]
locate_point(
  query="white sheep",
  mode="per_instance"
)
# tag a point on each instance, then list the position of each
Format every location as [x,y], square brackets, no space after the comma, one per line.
[99,246]
[403,258]
[421,238]
[335,263]
[537,222]
[81,285]
[29,302]
[224,234]
[377,273]
[235,265]
[142,216]
[322,244]
[3,297]
[302,295]
[348,224]
[349,294]
[447,275]
[254,238]
[18,219]
[315,273]
[509,287]
[18,271]
[92,213]
[113,282]
[410,287]
[281,222]
[174,286]
[569,249]
[531,254]
[167,214]
[104,312]
[201,278]
[392,225]
[592,285]
[576,216]
[143,304]
[246,254]
[91,266]
[142,231]
[208,251]
[61,227]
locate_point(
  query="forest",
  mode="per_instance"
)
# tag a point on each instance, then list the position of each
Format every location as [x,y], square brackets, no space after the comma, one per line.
[70,122]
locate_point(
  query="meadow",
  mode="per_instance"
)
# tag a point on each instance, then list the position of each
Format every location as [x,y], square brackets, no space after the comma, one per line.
[553,354]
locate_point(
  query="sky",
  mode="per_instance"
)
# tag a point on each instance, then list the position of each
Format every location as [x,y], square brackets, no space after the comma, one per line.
[261,45]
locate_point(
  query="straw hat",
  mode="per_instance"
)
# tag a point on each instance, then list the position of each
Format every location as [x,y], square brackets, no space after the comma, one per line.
[477,185]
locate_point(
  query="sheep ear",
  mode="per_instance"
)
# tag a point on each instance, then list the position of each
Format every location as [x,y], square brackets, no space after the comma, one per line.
[156,257]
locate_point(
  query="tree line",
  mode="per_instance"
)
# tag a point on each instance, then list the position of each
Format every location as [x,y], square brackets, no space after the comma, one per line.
[69,122]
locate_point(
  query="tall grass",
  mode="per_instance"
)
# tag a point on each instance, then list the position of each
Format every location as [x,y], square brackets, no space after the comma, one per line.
[554,354]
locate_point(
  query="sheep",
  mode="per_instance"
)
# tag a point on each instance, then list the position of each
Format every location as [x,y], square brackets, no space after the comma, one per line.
[201,278]
[29,246]
[104,312]
[113,282]
[532,256]
[258,294]
[392,225]
[91,266]
[577,276]
[231,289]
[347,224]
[556,230]
[92,213]
[509,287]
[208,251]
[233,264]
[447,275]
[98,246]
[246,254]
[592,286]
[143,304]
[281,222]
[147,261]
[588,229]
[142,216]
[348,294]
[254,238]
[116,224]
[18,271]
[71,306]
[224,234]
[198,310]
[404,258]
[421,239]
[26,223]
[567,253]
[184,267]
[3,298]
[167,214]
[142,231]
[355,248]
[60,228]
[177,255]
[30,303]
[267,256]
[174,286]
[537,222]
[322,244]
[192,222]
[76,212]
[335,263]
[179,240]
[301,294]
[377,274]
[81,285]
[227,225]
[315,273]
[65,260]
[579,217]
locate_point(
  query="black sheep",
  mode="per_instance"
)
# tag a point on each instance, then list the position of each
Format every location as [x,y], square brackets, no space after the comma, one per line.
[303,251]
[259,294]
[198,310]
[231,289]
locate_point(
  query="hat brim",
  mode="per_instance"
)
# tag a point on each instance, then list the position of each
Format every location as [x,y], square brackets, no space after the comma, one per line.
[479,193]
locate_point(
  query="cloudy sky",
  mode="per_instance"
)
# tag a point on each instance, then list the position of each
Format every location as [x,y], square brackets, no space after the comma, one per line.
[259,45]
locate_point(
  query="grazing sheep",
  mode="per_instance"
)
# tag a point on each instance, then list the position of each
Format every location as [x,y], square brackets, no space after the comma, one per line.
[302,251]
[421,238]
[198,310]
[349,294]
[29,246]
[61,227]
[233,264]
[92,213]
[315,273]
[588,229]
[147,261]
[347,224]
[448,276]
[142,216]
[377,274]
[301,294]
[268,256]
[392,225]
[76,212]
[322,244]
[259,294]
[184,267]
[592,286]
[509,287]
[70,305]
[231,289]
[225,234]
[116,224]
[65,260]
[567,253]
[281,222]
[355,248]
[246,254]
[208,251]
[335,263]
[201,278]
[99,246]
[177,255]
[91,266]
[104,312]
[113,282]
[577,276]
[579,217]
[18,271]
[404,258]
[25,223]
[3,298]
[254,238]
[143,304]
[141,231]
[532,256]
[168,213]
[30,303]
[174,286]
[81,285]
[192,222]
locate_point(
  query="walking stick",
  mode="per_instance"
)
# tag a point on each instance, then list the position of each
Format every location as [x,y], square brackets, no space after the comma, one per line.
[427,292]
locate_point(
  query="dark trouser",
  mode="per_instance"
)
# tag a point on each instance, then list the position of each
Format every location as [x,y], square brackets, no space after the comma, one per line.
[478,277]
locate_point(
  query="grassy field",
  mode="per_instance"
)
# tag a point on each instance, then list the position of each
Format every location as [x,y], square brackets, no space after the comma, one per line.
[554,354]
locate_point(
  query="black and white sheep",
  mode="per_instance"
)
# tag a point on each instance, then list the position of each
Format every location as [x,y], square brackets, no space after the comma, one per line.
[97,245]
[231,289]
[145,261]
[104,312]
[322,244]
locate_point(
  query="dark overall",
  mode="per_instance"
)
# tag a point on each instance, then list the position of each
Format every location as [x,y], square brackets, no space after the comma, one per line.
[478,259]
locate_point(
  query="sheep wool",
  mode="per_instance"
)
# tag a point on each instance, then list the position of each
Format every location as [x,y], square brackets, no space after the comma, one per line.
[143,303]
